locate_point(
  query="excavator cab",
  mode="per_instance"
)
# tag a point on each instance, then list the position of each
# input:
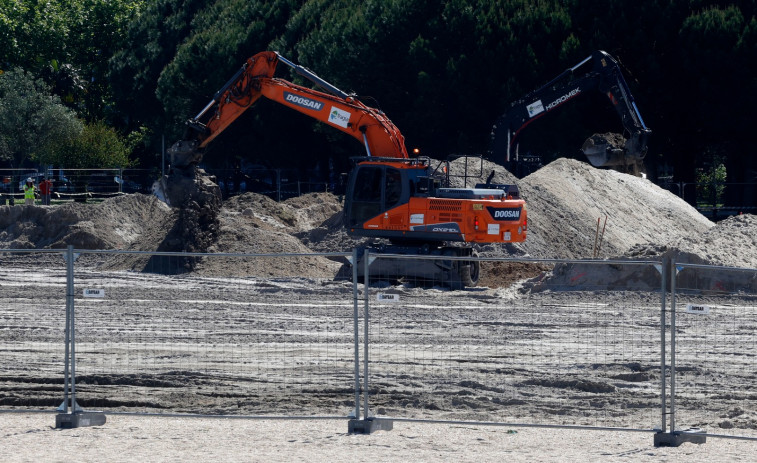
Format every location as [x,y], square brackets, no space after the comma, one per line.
[377,185]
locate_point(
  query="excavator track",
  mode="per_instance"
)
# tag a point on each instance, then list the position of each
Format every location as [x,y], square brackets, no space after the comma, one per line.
[454,273]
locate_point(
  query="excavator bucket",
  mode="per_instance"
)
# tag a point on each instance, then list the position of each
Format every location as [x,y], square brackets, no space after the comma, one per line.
[605,150]
[613,150]
[184,153]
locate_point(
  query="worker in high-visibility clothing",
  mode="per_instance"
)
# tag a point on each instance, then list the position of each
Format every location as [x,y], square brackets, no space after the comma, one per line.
[29,192]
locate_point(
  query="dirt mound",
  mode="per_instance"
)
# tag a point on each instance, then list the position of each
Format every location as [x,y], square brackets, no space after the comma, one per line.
[467,172]
[730,243]
[131,222]
[567,198]
[565,202]
[256,224]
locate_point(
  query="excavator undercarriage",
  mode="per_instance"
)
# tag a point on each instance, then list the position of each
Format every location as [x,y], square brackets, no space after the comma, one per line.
[431,264]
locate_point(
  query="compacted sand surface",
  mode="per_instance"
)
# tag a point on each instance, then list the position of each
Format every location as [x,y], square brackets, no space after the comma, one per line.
[33,438]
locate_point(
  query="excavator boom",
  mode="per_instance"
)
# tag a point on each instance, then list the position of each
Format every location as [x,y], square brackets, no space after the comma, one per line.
[255,79]
[601,150]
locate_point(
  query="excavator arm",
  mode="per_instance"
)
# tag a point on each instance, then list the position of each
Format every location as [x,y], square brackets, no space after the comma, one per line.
[256,79]
[389,195]
[605,77]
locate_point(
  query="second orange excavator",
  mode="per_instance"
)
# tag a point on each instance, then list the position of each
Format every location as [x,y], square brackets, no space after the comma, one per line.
[389,194]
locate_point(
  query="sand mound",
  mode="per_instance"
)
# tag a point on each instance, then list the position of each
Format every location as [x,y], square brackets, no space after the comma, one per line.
[255,224]
[467,172]
[132,222]
[565,201]
[566,198]
[730,243]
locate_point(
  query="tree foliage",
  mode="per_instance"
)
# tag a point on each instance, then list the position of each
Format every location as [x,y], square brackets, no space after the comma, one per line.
[32,120]
[96,146]
[67,43]
[711,184]
[442,71]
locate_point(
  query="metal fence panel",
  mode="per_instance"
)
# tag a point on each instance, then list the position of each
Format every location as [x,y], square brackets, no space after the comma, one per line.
[33,308]
[240,335]
[561,353]
[715,349]
[574,343]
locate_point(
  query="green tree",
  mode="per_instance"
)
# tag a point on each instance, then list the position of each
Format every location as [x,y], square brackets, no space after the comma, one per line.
[711,184]
[150,43]
[442,71]
[67,43]
[32,121]
[224,35]
[97,146]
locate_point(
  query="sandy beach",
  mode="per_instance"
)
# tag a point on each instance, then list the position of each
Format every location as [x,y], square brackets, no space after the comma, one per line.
[32,437]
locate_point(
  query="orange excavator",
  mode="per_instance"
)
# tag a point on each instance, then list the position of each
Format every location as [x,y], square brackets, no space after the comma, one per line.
[389,195]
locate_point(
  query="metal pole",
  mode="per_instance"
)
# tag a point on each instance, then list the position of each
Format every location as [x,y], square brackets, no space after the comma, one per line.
[673,277]
[356,327]
[69,257]
[366,283]
[278,185]
[70,283]
[663,319]
[162,156]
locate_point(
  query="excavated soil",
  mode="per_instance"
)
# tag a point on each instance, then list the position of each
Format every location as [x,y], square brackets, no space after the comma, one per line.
[575,211]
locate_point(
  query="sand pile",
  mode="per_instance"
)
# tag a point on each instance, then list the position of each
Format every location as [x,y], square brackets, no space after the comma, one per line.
[566,199]
[256,224]
[467,172]
[133,222]
[730,243]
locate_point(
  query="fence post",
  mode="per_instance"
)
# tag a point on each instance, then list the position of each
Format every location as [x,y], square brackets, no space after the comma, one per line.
[76,417]
[366,293]
[68,257]
[278,185]
[368,424]
[356,327]
[675,438]
[673,277]
[663,351]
